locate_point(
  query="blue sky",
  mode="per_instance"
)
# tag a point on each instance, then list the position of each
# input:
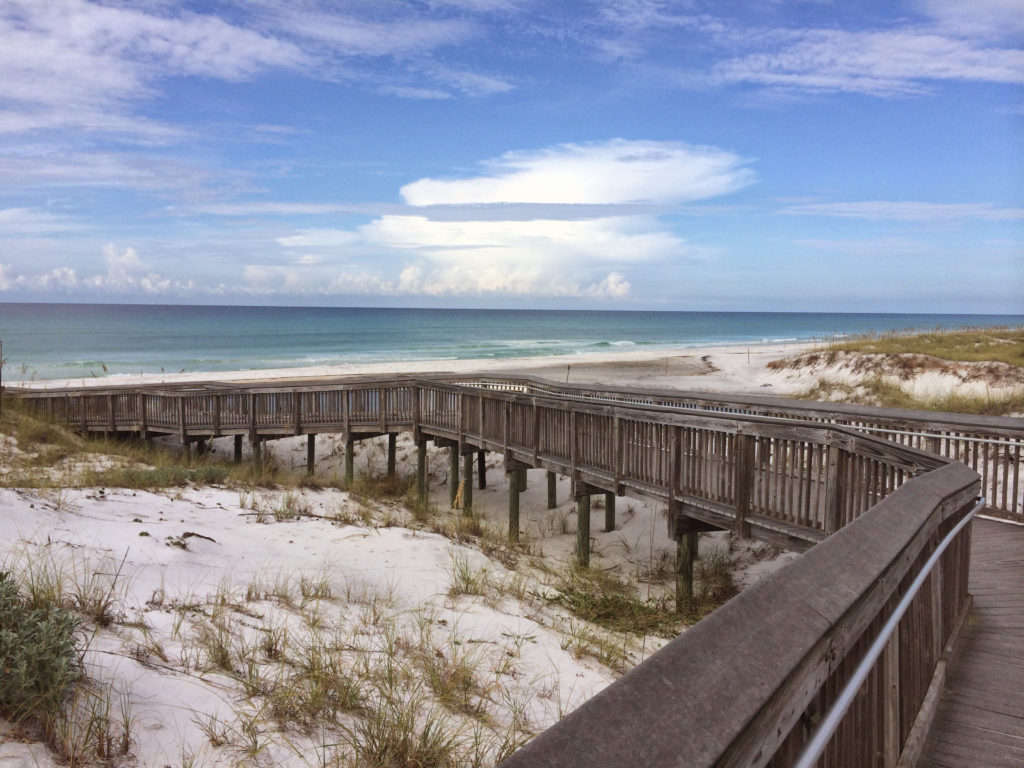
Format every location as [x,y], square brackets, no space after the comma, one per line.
[759,155]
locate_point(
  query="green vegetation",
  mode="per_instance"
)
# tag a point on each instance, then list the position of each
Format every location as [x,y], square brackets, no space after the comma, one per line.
[602,598]
[44,692]
[993,357]
[969,345]
[49,455]
[889,394]
[38,660]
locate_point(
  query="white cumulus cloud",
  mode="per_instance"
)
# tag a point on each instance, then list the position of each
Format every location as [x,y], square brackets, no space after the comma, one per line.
[617,171]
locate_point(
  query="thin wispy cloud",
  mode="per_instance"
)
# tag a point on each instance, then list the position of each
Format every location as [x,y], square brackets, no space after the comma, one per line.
[890,63]
[884,210]
[30,221]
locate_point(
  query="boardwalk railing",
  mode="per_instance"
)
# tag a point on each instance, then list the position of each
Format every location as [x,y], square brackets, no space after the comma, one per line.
[785,482]
[746,685]
[993,446]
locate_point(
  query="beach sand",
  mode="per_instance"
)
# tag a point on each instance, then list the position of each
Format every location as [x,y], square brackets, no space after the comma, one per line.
[721,368]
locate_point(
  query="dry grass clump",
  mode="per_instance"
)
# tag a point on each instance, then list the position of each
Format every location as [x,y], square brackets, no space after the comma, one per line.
[383,685]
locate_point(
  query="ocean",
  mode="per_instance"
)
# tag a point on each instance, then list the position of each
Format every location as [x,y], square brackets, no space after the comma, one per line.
[51,341]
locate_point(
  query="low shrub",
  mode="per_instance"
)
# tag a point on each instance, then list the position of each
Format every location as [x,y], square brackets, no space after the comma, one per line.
[39,663]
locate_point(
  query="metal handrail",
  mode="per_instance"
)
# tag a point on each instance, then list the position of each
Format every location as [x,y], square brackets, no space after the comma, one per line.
[835,715]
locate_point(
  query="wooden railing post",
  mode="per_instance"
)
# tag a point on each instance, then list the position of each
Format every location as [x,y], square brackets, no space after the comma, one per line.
[891,736]
[833,492]
[416,430]
[617,451]
[346,412]
[480,420]
[506,429]
[744,475]
[536,431]
[462,417]
[572,451]
[252,420]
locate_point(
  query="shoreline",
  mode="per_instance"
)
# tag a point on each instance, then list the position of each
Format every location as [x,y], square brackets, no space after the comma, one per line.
[731,368]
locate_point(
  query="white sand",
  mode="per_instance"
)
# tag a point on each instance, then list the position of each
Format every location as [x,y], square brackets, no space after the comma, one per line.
[725,368]
[526,646]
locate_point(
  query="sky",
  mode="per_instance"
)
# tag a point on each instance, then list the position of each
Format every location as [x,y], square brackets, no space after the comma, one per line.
[761,155]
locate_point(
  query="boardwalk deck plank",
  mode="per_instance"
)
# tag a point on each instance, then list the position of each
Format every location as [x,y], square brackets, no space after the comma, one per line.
[980,720]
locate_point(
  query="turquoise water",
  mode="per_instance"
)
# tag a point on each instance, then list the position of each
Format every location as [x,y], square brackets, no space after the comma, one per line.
[47,341]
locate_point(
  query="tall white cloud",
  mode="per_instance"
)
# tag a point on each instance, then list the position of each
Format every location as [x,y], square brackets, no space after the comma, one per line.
[585,253]
[617,171]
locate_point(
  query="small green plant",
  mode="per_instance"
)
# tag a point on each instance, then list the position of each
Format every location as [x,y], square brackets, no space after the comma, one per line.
[39,663]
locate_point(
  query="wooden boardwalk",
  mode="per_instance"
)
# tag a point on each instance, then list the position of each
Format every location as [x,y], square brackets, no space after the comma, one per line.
[980,719]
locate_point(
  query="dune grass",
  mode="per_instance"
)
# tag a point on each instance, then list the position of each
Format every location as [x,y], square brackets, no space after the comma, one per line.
[968,345]
[885,393]
[881,361]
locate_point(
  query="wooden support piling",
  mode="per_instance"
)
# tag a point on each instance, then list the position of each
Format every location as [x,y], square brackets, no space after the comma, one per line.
[609,511]
[686,554]
[583,531]
[552,488]
[257,454]
[481,469]
[421,469]
[310,454]
[467,483]
[238,449]
[392,440]
[453,474]
[350,459]
[513,506]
